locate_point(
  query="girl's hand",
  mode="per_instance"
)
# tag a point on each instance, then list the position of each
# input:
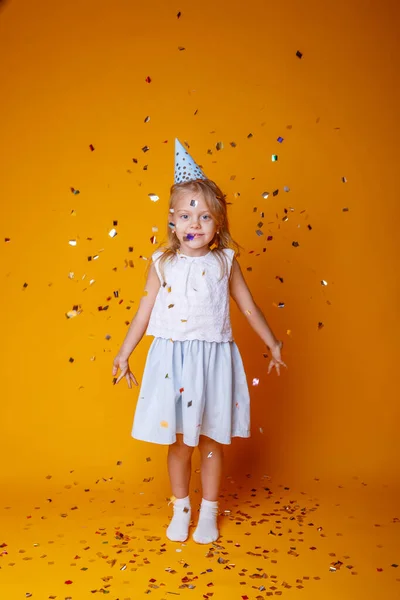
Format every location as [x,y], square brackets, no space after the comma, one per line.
[122,363]
[276,360]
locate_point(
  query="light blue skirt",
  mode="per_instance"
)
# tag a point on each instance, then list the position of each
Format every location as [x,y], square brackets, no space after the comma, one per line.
[195,388]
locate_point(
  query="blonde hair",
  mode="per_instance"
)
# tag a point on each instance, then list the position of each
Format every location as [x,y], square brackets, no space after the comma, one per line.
[217,206]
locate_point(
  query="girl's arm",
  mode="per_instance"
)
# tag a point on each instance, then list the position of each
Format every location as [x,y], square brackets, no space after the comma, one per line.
[243,298]
[141,319]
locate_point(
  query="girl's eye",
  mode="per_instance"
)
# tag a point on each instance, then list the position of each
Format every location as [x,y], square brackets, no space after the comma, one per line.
[208,216]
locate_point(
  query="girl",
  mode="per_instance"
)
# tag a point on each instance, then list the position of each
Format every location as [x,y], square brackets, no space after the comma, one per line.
[194,390]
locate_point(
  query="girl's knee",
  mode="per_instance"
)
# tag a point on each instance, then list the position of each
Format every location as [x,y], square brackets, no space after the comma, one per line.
[180,446]
[207,444]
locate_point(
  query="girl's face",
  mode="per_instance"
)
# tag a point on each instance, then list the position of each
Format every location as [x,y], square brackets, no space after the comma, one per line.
[192,216]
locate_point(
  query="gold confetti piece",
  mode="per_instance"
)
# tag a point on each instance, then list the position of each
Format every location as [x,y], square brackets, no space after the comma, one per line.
[164,424]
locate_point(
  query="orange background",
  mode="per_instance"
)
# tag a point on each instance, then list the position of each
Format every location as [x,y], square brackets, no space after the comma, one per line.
[75,74]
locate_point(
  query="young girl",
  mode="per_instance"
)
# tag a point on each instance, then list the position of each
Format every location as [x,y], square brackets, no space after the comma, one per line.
[194,390]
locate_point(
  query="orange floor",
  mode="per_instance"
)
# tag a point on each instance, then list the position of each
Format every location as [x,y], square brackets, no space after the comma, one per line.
[104,534]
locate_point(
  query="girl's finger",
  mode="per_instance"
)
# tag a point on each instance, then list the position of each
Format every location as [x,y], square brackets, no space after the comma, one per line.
[120,377]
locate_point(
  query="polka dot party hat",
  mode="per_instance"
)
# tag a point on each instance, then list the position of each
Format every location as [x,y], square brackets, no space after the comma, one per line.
[185,167]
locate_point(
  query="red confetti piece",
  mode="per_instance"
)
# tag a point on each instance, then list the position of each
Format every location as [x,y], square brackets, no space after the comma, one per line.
[68,582]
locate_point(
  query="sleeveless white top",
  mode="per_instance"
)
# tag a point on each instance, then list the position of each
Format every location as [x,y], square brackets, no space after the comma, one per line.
[194,301]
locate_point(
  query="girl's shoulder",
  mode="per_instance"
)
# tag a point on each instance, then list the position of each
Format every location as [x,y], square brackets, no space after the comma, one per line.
[229,253]
[157,254]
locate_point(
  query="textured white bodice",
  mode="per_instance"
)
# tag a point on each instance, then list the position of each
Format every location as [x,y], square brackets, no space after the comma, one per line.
[193,304]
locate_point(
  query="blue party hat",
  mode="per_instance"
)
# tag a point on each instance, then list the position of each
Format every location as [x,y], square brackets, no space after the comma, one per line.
[185,167]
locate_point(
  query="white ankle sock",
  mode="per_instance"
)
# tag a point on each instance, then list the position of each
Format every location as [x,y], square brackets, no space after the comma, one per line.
[207,529]
[178,529]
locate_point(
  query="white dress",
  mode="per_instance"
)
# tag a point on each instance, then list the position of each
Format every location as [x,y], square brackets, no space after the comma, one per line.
[194,381]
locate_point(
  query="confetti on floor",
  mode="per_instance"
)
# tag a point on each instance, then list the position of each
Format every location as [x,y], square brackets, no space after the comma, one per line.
[79,537]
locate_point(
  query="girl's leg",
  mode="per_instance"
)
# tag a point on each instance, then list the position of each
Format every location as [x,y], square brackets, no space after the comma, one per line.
[211,453]
[211,456]
[179,468]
